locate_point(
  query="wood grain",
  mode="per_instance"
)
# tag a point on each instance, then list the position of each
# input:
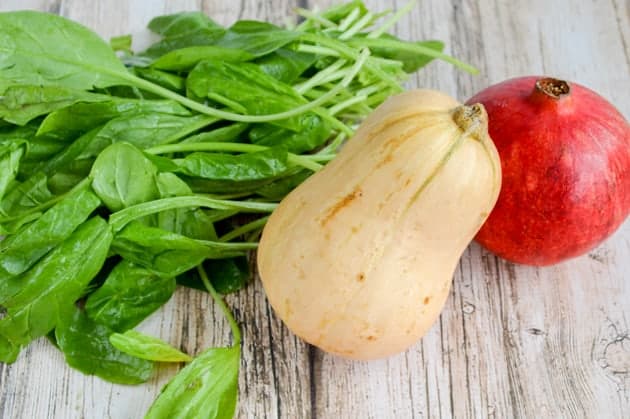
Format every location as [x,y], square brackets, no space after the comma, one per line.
[512,341]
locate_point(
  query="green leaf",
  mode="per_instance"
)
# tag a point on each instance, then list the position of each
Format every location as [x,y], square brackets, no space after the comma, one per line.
[280,188]
[144,130]
[286,65]
[22,250]
[184,59]
[42,148]
[70,176]
[388,46]
[183,30]
[163,78]
[21,104]
[123,176]
[247,85]
[43,49]
[147,347]
[227,172]
[52,285]
[11,152]
[226,275]
[165,253]
[82,117]
[128,296]
[338,12]
[86,347]
[67,155]
[313,133]
[26,195]
[230,133]
[257,38]
[182,23]
[207,387]
[190,222]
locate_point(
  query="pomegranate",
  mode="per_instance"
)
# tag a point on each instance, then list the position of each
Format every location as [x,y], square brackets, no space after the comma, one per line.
[565,156]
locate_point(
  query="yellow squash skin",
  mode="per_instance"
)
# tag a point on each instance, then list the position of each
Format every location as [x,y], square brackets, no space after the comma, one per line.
[359,259]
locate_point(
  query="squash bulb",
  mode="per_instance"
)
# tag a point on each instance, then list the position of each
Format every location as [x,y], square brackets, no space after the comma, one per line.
[358,260]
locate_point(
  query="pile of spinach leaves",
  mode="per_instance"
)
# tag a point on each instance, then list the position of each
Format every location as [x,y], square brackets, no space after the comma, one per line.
[123,175]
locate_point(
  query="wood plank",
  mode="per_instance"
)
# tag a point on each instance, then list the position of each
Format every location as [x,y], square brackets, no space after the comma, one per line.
[512,341]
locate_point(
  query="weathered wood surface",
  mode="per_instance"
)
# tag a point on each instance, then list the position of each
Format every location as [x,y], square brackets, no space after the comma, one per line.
[512,341]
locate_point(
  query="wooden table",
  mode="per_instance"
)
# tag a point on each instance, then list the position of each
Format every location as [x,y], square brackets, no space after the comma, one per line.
[512,341]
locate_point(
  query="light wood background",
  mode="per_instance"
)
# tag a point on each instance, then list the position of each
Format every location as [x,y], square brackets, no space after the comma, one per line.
[512,341]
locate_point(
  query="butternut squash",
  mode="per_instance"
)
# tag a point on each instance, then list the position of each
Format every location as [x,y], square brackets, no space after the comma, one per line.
[359,259]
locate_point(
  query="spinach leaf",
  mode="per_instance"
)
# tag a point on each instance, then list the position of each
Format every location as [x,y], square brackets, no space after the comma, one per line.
[20,104]
[339,12]
[147,347]
[86,347]
[257,38]
[190,222]
[163,78]
[285,64]
[182,30]
[184,59]
[128,296]
[22,250]
[42,148]
[278,189]
[313,133]
[229,133]
[227,172]
[54,283]
[67,155]
[11,153]
[82,117]
[70,176]
[182,23]
[13,132]
[144,130]
[165,253]
[247,85]
[24,196]
[207,387]
[409,53]
[226,275]
[72,56]
[123,176]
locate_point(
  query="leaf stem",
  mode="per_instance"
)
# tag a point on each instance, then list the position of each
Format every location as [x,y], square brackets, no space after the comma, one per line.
[296,159]
[350,52]
[392,20]
[245,228]
[360,60]
[218,299]
[119,219]
[412,47]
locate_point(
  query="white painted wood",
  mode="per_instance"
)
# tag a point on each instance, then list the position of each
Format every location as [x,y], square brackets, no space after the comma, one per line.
[512,341]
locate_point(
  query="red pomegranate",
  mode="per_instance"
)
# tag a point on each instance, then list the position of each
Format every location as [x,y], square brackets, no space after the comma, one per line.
[565,156]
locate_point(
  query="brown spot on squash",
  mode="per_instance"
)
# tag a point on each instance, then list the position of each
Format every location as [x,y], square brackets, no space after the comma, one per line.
[361,277]
[426,300]
[341,204]
[371,338]
[387,159]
